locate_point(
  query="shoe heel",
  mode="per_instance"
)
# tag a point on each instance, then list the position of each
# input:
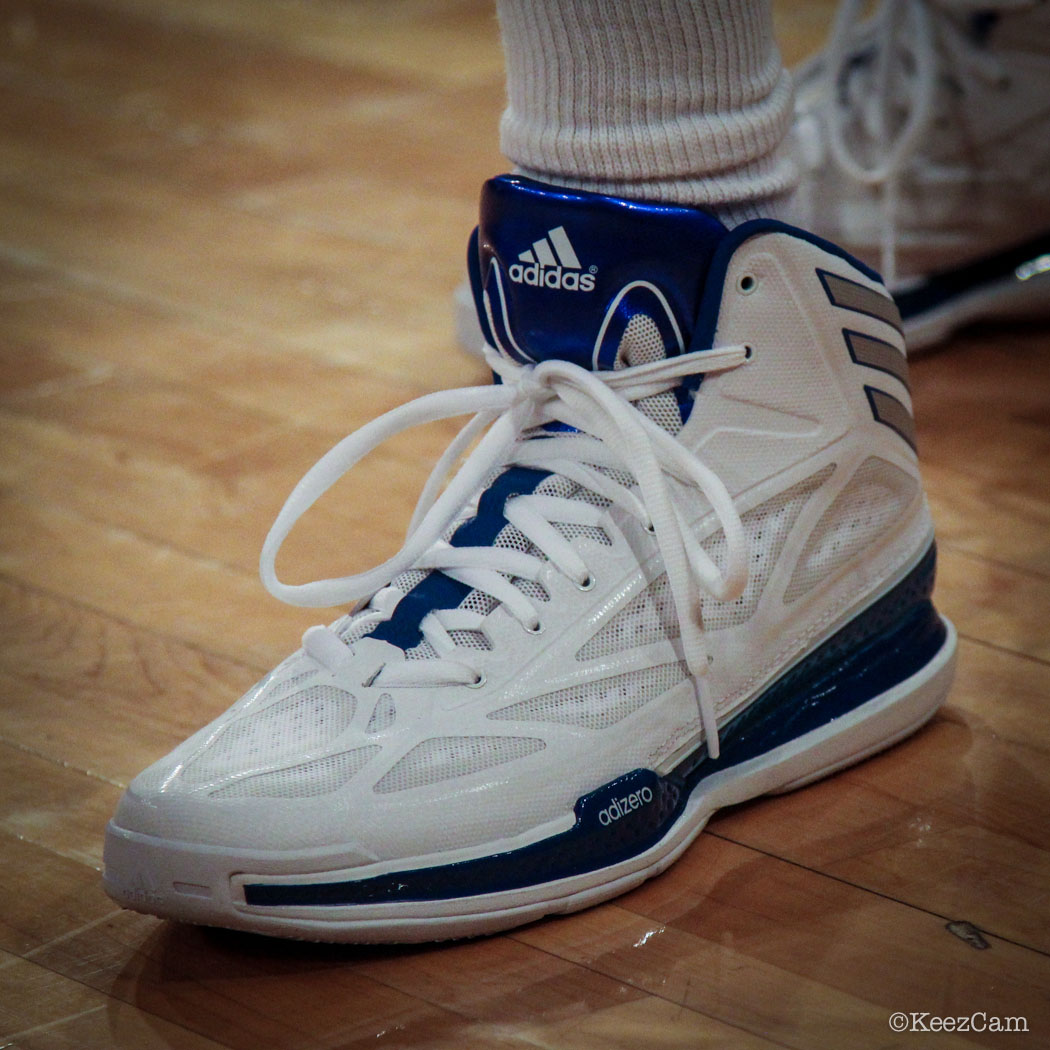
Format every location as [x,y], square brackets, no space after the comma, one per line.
[878,724]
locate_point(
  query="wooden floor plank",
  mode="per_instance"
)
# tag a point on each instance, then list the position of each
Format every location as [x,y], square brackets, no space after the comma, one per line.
[651,1022]
[80,669]
[776,974]
[57,808]
[984,445]
[33,997]
[454,42]
[183,597]
[252,991]
[67,898]
[947,820]
[994,602]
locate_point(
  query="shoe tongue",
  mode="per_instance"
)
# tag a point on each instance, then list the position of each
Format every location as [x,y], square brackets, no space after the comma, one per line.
[581,277]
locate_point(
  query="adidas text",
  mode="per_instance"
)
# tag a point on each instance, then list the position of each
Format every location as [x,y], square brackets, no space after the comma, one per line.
[620,807]
[552,277]
[552,262]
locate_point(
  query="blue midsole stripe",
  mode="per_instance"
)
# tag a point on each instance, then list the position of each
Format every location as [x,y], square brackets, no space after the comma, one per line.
[887,643]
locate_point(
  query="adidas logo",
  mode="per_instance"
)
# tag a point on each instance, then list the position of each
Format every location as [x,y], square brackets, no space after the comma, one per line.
[551,262]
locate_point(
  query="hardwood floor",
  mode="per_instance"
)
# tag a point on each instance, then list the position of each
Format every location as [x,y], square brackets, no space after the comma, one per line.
[229,232]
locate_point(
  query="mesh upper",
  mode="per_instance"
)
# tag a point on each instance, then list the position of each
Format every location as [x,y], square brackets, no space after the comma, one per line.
[598,704]
[447,757]
[296,721]
[642,343]
[875,497]
[650,616]
[322,776]
[383,715]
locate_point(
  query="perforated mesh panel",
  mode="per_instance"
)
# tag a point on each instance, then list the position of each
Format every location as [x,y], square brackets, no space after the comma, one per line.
[322,776]
[470,639]
[306,720]
[536,591]
[478,602]
[767,528]
[383,715]
[423,651]
[874,498]
[443,758]
[599,704]
[650,616]
[641,343]
[646,618]
[571,530]
[355,629]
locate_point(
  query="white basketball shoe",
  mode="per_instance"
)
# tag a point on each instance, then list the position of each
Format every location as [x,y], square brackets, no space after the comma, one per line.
[690,562]
[924,136]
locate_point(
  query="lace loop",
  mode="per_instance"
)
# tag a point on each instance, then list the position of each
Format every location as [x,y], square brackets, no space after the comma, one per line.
[598,405]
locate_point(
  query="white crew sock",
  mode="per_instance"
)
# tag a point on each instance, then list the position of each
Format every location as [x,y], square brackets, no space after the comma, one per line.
[666,100]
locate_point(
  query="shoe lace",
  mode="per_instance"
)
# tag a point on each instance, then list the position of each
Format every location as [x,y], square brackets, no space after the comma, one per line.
[611,439]
[899,29]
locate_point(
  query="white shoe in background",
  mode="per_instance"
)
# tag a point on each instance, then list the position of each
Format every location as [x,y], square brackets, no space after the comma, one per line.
[924,135]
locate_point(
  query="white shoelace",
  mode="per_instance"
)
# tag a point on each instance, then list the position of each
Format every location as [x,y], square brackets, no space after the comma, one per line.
[917,26]
[599,406]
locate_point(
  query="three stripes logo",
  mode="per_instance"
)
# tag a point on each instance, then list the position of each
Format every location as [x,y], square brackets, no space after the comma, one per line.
[551,262]
[874,353]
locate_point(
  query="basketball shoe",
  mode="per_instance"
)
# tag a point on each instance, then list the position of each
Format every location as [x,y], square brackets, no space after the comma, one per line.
[689,562]
[924,137]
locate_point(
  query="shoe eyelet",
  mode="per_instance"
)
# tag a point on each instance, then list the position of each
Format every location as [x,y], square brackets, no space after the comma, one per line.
[651,529]
[478,682]
[537,628]
[747,283]
[587,584]
[748,353]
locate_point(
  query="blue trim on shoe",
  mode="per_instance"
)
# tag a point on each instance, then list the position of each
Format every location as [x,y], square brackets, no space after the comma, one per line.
[439,591]
[474,273]
[891,640]
[940,288]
